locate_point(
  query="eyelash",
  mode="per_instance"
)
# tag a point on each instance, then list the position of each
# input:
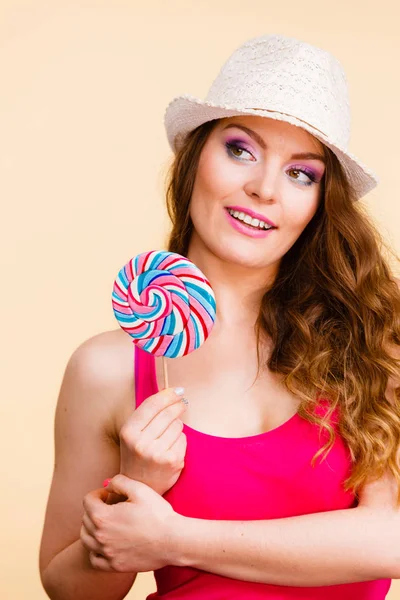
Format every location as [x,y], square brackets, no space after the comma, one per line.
[237,146]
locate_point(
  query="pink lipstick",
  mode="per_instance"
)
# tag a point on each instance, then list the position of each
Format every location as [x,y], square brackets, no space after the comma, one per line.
[248,230]
[252,214]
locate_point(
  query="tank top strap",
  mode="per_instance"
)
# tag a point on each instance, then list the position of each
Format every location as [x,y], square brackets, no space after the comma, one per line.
[145,375]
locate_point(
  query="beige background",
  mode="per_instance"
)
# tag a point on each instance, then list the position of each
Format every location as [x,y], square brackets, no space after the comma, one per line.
[83,155]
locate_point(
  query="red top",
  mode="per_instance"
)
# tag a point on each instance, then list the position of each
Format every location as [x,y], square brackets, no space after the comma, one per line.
[265,476]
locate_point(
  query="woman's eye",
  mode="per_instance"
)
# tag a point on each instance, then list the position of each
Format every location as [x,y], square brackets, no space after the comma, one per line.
[308,179]
[302,175]
[236,150]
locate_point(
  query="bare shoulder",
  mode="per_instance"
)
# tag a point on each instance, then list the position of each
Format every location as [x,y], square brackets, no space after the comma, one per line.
[112,348]
[105,363]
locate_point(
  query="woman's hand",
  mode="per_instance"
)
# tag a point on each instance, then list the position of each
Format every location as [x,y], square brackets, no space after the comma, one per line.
[152,444]
[131,536]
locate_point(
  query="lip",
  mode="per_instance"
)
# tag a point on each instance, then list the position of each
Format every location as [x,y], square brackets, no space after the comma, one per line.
[245,229]
[253,214]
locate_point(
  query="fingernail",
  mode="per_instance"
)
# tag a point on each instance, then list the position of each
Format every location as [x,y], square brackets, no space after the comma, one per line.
[106,482]
[179,391]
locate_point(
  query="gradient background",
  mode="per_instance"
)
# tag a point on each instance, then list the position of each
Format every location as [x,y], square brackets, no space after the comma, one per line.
[83,157]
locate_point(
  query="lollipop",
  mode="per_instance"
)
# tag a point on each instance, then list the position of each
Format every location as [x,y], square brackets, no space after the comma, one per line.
[165,303]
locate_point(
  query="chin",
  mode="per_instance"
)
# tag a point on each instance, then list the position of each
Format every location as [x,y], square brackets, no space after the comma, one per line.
[244,258]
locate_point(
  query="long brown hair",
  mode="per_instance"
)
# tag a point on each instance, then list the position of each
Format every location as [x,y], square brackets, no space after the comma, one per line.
[332,315]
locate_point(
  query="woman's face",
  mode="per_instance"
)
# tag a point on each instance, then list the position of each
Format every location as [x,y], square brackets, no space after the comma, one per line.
[247,162]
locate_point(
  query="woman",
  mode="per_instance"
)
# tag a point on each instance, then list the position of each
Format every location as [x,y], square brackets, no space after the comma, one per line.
[237,495]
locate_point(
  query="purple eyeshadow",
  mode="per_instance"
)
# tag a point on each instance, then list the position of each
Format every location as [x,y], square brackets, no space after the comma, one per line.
[239,142]
[314,174]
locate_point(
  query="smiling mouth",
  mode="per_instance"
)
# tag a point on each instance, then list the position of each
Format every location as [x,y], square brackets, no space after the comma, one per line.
[249,221]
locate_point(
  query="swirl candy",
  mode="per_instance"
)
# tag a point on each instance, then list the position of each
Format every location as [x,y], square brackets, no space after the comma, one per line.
[164,302]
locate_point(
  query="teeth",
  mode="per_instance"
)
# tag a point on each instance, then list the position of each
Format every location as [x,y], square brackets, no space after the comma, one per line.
[241,216]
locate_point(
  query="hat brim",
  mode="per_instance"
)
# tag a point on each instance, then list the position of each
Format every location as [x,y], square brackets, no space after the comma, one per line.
[185,113]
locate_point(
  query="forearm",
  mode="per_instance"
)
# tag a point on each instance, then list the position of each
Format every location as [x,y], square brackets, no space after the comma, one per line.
[70,576]
[329,548]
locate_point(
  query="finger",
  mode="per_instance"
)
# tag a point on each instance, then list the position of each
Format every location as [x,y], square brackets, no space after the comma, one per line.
[99,563]
[152,406]
[169,437]
[94,502]
[179,448]
[131,488]
[162,421]
[88,524]
[90,543]
[115,498]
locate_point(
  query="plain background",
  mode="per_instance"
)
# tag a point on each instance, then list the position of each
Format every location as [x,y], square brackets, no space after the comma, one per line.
[84,87]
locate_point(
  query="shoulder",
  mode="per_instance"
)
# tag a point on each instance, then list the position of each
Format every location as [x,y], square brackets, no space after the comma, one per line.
[104,366]
[104,358]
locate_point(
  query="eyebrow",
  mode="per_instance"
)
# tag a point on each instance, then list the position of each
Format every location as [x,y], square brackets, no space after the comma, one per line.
[258,138]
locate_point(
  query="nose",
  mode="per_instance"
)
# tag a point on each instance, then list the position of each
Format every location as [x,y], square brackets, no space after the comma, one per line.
[263,184]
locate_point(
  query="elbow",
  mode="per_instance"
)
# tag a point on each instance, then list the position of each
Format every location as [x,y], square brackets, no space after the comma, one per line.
[47,583]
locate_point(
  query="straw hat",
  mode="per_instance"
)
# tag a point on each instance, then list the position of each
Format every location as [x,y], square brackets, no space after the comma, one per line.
[281,78]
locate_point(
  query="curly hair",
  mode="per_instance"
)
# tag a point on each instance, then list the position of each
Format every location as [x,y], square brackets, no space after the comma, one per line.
[332,315]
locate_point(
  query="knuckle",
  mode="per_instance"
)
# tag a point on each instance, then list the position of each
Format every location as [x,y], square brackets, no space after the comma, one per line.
[92,559]
[128,434]
[82,532]
[99,521]
[178,425]
[108,552]
[119,480]
[117,565]
[180,456]
[142,448]
[172,461]
[100,536]
[123,432]
[181,443]
[158,457]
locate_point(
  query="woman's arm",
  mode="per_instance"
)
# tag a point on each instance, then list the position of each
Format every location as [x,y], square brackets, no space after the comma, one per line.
[327,548]
[70,576]
[335,547]
[97,377]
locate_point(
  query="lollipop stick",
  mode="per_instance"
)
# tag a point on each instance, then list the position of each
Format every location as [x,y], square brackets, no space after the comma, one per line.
[165,372]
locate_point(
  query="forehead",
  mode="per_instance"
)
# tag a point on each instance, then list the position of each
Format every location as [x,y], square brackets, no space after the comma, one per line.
[274,129]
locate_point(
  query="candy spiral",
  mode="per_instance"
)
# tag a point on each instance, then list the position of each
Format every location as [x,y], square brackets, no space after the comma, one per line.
[164,302]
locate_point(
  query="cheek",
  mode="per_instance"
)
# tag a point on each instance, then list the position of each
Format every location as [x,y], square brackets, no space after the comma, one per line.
[216,176]
[299,213]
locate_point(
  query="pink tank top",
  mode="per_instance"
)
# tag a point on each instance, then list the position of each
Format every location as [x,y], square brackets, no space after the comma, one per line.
[264,476]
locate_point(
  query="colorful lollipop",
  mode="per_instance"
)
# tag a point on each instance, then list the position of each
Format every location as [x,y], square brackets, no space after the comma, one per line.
[164,302]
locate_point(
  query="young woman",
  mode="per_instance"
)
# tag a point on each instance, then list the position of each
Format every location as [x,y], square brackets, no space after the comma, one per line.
[280,478]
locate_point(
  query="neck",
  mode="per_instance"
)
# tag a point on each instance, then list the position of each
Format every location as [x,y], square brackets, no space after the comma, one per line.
[238,288]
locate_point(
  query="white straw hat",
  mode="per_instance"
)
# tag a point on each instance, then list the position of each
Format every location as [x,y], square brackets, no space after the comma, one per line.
[281,78]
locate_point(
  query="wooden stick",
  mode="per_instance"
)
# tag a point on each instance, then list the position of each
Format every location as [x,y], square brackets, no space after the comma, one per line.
[165,372]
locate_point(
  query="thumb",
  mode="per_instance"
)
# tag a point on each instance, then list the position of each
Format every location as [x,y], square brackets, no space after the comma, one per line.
[125,486]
